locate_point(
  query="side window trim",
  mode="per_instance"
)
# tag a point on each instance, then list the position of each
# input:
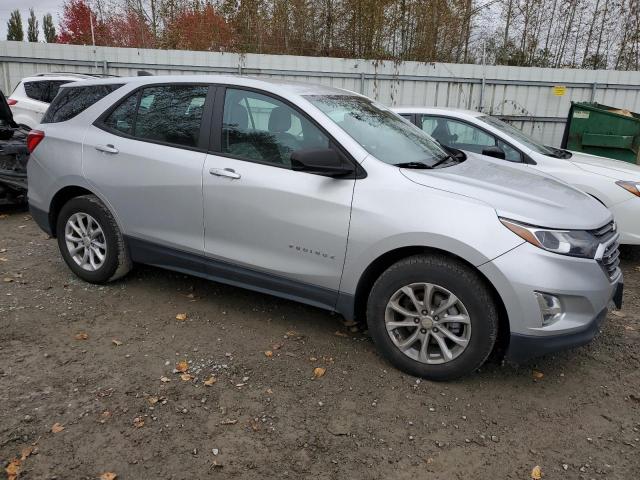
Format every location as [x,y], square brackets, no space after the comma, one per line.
[206,116]
[215,143]
[496,138]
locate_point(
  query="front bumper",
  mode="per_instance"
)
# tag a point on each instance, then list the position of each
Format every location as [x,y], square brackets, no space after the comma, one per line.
[582,286]
[627,215]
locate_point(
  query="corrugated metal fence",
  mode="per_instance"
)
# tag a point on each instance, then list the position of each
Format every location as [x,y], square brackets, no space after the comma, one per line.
[525,96]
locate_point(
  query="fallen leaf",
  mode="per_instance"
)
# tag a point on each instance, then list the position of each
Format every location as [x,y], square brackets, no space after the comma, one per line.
[165,379]
[268,354]
[57,428]
[13,469]
[255,425]
[25,452]
[81,336]
[618,313]
[186,377]
[104,416]
[181,317]
[3,216]
[153,400]
[629,328]
[338,333]
[229,422]
[138,422]
[4,259]
[276,346]
[108,476]
[319,372]
[269,391]
[536,473]
[182,366]
[537,375]
[210,381]
[117,343]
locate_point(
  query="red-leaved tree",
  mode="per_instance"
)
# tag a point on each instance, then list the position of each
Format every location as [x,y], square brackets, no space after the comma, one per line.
[131,30]
[198,27]
[75,25]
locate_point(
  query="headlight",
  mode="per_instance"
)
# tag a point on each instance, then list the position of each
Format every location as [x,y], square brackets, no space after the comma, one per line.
[576,243]
[631,187]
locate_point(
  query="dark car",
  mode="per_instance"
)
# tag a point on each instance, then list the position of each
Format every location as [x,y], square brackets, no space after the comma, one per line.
[13,157]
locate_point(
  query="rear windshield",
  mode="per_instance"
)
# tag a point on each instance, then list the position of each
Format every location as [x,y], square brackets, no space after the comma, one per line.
[44,90]
[72,101]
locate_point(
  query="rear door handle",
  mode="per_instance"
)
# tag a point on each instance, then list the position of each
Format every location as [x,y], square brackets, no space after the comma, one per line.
[107,148]
[225,172]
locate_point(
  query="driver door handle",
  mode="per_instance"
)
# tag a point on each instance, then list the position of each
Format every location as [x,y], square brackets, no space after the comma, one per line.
[107,148]
[225,172]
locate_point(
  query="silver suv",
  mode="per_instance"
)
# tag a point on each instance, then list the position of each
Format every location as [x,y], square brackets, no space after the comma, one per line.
[323,196]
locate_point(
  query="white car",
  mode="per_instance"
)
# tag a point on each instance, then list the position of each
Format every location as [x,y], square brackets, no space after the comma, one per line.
[32,96]
[614,183]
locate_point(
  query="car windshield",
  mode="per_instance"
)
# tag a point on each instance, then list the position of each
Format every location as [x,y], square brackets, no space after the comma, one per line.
[521,137]
[380,131]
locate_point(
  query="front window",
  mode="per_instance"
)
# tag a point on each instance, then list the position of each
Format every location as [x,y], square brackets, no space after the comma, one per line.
[379,131]
[519,135]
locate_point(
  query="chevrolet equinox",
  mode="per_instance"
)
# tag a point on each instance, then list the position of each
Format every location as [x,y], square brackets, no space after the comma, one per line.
[323,196]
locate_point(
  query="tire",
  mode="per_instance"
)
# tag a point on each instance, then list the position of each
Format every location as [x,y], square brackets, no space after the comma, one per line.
[446,280]
[115,261]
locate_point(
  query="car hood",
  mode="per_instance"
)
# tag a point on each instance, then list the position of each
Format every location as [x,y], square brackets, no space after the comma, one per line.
[529,197]
[606,166]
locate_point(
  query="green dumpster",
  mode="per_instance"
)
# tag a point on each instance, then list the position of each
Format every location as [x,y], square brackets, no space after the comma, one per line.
[601,130]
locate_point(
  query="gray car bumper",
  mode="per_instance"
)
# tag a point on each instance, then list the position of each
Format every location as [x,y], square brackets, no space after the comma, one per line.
[581,285]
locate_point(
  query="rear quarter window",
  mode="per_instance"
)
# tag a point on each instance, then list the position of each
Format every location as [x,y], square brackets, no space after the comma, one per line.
[71,101]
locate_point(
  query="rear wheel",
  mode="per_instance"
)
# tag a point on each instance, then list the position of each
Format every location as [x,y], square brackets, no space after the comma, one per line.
[433,317]
[90,241]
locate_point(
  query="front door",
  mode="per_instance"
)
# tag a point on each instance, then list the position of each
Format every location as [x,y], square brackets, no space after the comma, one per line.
[267,226]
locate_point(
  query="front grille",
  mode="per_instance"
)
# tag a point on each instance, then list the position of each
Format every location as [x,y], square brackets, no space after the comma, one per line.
[608,255]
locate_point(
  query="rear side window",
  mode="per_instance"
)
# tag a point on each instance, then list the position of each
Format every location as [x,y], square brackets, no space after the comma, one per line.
[74,100]
[43,90]
[165,114]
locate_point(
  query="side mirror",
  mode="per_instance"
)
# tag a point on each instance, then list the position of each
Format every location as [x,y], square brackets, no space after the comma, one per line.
[325,161]
[495,152]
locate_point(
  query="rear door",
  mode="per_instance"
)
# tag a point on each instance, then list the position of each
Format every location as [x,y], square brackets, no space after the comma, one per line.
[267,226]
[145,157]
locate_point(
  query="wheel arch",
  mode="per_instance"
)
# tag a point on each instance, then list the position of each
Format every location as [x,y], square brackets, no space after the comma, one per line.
[61,197]
[384,261]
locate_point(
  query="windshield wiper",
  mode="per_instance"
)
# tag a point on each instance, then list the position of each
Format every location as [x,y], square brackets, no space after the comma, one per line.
[412,165]
[444,159]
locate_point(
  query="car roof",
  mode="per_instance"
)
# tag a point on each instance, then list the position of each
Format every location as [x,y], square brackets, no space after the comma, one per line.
[458,112]
[271,85]
[57,76]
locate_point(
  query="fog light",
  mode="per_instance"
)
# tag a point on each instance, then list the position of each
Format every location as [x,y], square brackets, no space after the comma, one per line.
[550,308]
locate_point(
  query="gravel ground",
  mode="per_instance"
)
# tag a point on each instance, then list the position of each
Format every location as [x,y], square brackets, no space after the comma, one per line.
[88,386]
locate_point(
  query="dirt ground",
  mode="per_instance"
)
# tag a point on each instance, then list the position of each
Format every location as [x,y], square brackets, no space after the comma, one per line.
[99,361]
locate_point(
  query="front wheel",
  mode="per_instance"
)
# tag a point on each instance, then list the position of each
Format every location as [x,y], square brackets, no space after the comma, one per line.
[433,317]
[90,241]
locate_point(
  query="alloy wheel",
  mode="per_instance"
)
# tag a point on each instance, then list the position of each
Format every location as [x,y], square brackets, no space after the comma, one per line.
[428,323]
[85,241]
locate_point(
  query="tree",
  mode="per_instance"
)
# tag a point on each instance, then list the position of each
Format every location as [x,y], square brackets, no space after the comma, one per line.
[198,28]
[32,27]
[75,25]
[48,29]
[14,27]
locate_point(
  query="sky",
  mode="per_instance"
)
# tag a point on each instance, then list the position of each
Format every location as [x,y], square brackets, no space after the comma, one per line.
[40,7]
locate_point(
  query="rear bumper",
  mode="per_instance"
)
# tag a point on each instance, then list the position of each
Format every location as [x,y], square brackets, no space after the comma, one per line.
[525,347]
[41,218]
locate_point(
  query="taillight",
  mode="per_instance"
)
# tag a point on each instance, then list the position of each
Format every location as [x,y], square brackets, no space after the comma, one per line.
[11,101]
[33,139]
